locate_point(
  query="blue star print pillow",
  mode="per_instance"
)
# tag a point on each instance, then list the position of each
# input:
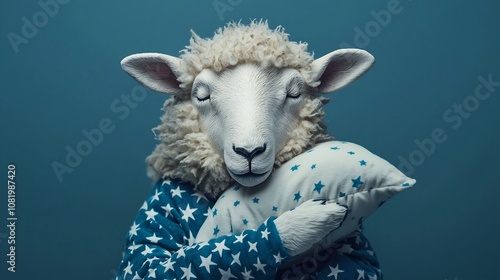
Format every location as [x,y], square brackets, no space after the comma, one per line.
[339,171]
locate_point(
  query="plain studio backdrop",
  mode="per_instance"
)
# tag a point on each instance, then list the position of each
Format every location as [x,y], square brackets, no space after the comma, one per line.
[78,129]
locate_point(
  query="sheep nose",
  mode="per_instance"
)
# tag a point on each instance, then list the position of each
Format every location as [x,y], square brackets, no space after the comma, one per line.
[249,155]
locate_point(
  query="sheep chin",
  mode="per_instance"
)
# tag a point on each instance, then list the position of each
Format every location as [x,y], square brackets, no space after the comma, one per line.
[250,179]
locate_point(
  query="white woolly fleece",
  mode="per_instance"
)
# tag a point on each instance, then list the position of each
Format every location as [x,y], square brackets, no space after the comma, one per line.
[237,43]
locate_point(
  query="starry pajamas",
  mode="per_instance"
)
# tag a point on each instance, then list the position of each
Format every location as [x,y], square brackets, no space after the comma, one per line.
[160,245]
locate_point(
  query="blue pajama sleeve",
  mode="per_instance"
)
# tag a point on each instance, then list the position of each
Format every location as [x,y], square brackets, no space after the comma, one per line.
[160,245]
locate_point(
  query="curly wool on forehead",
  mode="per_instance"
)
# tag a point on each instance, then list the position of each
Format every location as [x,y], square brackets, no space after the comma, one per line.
[238,43]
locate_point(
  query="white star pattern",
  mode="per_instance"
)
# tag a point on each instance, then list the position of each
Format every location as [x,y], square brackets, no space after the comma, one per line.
[151,214]
[202,244]
[247,275]
[226,274]
[152,272]
[167,253]
[147,250]
[191,239]
[184,216]
[207,262]
[278,258]
[239,238]
[177,192]
[334,271]
[133,247]
[156,196]
[181,253]
[361,274]
[199,196]
[168,210]
[187,213]
[154,238]
[220,247]
[188,274]
[128,270]
[133,229]
[136,276]
[253,246]
[260,266]
[346,248]
[169,265]
[265,234]
[150,260]
[236,258]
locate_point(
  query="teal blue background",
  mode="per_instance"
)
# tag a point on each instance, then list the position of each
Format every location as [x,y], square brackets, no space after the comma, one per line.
[66,78]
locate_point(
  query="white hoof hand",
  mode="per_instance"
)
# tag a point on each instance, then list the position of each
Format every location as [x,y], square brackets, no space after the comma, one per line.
[307,224]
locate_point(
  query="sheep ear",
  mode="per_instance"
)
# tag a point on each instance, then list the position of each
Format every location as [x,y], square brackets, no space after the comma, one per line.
[156,71]
[340,68]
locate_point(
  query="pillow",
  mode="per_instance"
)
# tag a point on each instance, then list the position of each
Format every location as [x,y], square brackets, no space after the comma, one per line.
[343,172]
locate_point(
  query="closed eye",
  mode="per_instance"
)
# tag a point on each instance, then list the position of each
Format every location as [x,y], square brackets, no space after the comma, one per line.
[294,89]
[201,92]
[203,99]
[293,95]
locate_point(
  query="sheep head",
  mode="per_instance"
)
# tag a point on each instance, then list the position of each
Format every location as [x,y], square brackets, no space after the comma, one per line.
[242,118]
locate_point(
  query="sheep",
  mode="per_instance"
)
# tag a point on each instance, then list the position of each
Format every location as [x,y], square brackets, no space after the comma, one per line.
[245,102]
